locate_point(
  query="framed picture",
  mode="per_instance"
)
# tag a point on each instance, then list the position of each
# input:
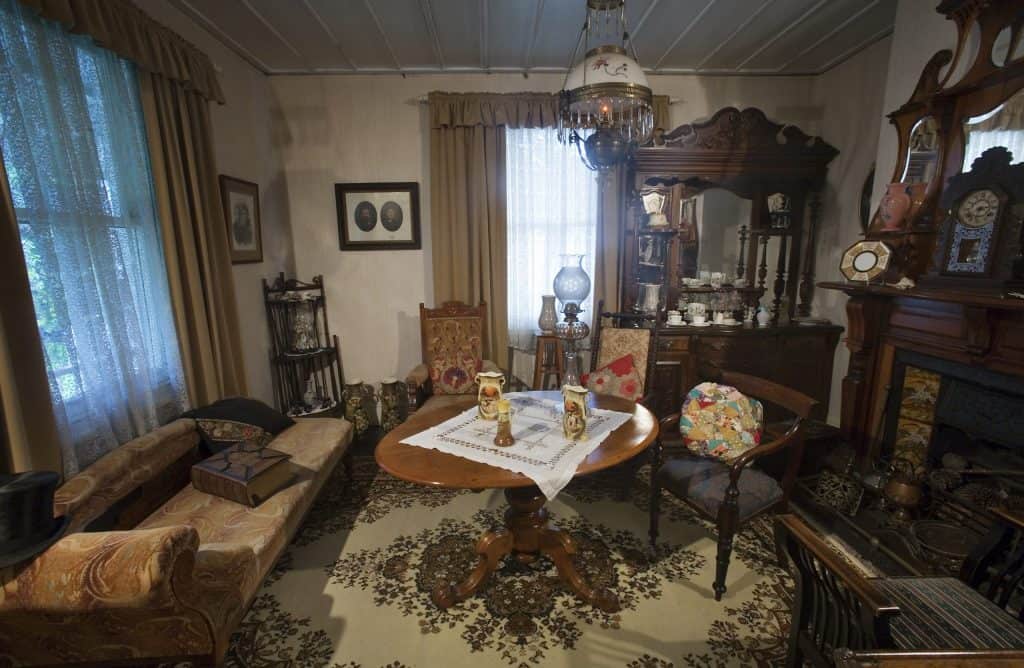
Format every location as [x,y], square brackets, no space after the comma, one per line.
[378,216]
[241,202]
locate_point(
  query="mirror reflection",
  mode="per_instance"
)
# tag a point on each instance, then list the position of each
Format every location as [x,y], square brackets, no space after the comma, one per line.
[922,153]
[1003,126]
[710,223]
[1001,48]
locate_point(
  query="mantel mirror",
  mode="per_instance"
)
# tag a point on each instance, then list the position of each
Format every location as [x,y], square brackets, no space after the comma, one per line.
[1001,126]
[968,103]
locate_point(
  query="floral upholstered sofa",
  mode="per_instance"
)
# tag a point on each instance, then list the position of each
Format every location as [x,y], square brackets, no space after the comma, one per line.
[152,568]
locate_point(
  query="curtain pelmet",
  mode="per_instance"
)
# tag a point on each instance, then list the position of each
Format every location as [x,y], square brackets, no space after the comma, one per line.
[121,27]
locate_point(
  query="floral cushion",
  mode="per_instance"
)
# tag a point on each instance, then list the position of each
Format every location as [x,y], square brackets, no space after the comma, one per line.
[454,349]
[619,378]
[720,421]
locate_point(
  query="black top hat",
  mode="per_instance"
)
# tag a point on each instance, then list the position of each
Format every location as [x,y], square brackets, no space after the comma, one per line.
[27,524]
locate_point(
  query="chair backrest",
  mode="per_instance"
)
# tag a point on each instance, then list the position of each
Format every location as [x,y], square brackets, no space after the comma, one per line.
[794,401]
[834,606]
[452,328]
[611,343]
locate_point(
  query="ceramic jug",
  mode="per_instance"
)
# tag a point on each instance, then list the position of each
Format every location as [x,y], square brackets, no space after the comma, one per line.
[353,395]
[489,394]
[574,419]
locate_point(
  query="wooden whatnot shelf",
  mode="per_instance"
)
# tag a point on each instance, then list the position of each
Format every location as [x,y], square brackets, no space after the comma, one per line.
[305,359]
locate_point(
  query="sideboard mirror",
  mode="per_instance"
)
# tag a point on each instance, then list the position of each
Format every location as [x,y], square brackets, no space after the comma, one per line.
[1001,126]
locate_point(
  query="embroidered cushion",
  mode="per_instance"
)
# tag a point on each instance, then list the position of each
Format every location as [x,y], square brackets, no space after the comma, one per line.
[229,421]
[618,378]
[720,421]
[454,374]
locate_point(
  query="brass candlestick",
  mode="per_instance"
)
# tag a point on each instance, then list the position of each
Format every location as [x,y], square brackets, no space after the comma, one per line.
[503,438]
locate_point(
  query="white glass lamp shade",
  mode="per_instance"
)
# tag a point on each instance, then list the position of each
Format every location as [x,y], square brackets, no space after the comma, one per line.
[609,90]
[572,285]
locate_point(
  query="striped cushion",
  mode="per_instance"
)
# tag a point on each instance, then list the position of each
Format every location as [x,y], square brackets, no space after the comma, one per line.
[944,613]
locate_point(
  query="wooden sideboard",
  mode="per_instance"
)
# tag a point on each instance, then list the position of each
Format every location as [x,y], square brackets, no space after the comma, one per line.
[797,356]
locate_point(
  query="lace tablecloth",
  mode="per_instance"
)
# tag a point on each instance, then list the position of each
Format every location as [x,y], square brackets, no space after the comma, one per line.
[541,452]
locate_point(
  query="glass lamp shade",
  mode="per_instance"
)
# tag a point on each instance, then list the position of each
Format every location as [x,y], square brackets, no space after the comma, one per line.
[572,285]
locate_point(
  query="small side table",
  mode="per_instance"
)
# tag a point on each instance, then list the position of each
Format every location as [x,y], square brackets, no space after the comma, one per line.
[548,361]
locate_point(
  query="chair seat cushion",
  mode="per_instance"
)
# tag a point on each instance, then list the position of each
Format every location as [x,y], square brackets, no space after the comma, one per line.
[944,613]
[720,421]
[618,378]
[704,481]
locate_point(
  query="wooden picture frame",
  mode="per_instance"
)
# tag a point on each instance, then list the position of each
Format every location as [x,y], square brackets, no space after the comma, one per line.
[241,202]
[378,216]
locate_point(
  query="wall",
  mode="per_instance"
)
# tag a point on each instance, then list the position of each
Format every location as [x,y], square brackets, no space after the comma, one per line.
[851,96]
[372,128]
[244,149]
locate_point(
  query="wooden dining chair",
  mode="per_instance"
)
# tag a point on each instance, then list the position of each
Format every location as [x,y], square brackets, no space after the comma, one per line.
[840,617]
[731,493]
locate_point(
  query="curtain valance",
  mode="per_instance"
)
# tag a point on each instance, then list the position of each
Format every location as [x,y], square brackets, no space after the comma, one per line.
[120,26]
[512,110]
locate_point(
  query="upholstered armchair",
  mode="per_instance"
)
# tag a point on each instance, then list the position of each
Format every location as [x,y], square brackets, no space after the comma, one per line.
[842,618]
[453,337]
[731,492]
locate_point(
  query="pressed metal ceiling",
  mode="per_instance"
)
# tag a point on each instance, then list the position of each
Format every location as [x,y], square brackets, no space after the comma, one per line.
[750,37]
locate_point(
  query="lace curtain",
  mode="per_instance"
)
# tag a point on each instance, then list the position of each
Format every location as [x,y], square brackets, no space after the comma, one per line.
[552,210]
[74,148]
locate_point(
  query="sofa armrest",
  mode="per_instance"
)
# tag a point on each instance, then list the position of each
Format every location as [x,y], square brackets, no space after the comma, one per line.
[86,572]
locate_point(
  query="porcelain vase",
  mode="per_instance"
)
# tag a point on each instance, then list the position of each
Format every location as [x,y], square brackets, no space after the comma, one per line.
[548,315]
[894,207]
[574,419]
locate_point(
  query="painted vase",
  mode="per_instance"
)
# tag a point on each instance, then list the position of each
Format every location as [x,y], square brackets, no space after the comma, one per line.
[354,394]
[894,207]
[391,392]
[548,316]
[574,418]
[489,394]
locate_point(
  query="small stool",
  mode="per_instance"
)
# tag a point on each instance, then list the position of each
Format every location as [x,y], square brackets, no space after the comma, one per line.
[548,361]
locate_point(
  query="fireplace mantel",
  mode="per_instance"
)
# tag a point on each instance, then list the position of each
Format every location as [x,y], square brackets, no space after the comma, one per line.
[976,327]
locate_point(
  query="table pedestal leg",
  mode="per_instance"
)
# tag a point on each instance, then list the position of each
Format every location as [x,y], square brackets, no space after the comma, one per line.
[527,535]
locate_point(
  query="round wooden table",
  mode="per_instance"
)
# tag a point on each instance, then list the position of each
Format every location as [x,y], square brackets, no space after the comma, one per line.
[527,533]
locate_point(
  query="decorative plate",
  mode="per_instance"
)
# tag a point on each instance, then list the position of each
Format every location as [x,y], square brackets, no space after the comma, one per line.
[865,260]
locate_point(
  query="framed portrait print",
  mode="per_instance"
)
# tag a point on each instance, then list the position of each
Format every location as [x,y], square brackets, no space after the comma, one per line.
[378,216]
[241,202]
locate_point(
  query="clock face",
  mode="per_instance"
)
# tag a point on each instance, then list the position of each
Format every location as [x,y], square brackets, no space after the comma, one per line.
[978,209]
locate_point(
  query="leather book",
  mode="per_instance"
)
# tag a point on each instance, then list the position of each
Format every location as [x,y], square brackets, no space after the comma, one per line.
[246,473]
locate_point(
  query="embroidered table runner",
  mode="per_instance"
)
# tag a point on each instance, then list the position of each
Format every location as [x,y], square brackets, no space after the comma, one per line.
[541,451]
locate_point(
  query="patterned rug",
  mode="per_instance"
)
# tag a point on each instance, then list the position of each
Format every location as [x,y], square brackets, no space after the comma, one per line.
[352,590]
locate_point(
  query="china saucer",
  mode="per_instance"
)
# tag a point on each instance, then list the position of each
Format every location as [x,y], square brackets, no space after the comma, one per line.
[703,324]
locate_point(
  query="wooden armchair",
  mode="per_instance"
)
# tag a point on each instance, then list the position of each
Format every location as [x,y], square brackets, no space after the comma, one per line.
[842,618]
[453,337]
[731,493]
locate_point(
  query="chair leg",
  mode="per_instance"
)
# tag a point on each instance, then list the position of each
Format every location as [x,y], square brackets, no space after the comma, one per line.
[655,512]
[727,518]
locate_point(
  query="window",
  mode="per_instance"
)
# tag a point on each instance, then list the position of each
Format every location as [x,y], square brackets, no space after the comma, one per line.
[552,210]
[75,152]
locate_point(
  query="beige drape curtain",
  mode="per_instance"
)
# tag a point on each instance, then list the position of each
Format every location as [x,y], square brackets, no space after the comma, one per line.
[30,439]
[195,238]
[121,27]
[468,201]
[661,113]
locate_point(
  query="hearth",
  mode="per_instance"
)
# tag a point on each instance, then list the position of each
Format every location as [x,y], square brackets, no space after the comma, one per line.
[951,449]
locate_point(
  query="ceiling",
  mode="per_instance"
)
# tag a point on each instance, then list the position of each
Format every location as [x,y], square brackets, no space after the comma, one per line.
[749,37]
